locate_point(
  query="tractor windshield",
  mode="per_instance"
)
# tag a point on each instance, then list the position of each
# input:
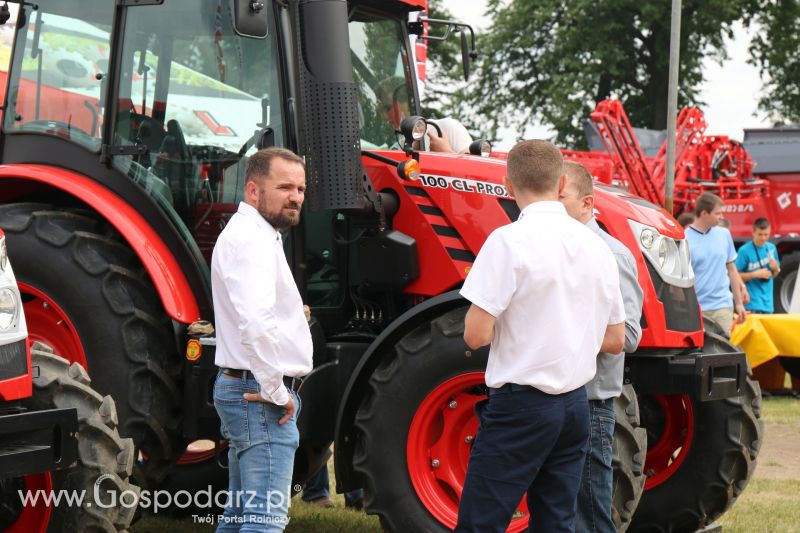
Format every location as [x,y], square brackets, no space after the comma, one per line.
[382,72]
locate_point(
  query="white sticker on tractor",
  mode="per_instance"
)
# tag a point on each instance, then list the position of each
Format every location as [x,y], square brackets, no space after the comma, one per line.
[785,200]
[463,185]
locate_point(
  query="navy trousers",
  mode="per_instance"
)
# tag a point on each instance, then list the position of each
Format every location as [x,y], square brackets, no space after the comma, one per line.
[531,442]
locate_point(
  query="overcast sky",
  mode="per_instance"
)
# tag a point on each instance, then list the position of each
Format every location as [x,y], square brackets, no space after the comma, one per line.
[730,92]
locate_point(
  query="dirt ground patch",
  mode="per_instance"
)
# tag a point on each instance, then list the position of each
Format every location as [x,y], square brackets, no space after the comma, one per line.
[780,452]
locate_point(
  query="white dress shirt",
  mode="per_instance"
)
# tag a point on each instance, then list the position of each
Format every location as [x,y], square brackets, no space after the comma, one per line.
[258,311]
[553,286]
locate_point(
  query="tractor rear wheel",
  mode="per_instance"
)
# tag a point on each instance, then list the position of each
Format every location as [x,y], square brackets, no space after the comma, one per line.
[783,288]
[417,421]
[86,294]
[104,464]
[700,454]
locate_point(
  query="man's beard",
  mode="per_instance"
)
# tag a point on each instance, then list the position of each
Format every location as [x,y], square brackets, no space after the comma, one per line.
[281,221]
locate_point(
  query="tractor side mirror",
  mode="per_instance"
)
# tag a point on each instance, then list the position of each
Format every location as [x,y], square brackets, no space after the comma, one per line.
[465,56]
[250,18]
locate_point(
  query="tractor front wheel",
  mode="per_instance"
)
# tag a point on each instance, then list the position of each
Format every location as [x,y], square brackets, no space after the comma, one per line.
[700,454]
[104,464]
[417,422]
[86,294]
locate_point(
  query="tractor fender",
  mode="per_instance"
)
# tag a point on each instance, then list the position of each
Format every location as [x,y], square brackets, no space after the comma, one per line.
[382,346]
[162,267]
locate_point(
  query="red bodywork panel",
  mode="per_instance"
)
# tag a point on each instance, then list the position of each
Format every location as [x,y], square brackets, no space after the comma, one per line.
[781,206]
[457,203]
[172,286]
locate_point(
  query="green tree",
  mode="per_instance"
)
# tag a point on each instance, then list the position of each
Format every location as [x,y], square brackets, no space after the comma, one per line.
[775,50]
[551,61]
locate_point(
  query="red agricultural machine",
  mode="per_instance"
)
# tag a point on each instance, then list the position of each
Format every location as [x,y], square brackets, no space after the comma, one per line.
[757,178]
[126,127]
[58,437]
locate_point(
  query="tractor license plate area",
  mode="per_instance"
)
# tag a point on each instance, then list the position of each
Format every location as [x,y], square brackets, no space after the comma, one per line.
[706,377]
[722,375]
[37,441]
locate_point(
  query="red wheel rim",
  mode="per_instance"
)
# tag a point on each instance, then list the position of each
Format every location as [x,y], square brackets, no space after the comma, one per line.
[665,456]
[438,448]
[49,324]
[34,518]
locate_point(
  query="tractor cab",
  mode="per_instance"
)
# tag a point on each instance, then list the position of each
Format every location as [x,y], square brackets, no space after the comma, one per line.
[170,96]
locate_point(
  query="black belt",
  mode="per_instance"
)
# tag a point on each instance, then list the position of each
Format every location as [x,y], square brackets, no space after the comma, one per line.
[511,387]
[290,382]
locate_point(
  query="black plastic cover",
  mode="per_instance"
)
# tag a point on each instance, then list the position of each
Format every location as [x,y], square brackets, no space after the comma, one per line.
[328,113]
[13,360]
[388,260]
[681,310]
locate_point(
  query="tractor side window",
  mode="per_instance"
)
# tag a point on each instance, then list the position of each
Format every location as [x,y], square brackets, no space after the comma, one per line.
[382,72]
[60,62]
[194,98]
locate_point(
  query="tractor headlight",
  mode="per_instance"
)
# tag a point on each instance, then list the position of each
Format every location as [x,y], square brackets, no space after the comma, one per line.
[9,309]
[669,257]
[413,128]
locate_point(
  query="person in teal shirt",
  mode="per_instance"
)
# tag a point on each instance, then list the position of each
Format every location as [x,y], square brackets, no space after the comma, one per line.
[758,265]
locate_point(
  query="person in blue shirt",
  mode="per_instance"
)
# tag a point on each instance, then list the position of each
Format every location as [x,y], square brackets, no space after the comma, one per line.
[758,264]
[717,281]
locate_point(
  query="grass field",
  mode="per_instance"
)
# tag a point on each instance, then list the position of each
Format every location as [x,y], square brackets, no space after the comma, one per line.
[769,504]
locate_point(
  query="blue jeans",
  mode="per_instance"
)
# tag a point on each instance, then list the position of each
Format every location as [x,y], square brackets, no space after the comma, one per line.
[528,441]
[260,457]
[597,484]
[318,486]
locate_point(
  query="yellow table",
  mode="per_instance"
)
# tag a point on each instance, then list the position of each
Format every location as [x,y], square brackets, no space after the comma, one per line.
[765,337]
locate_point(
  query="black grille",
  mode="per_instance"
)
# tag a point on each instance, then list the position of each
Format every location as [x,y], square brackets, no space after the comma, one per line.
[681,310]
[416,191]
[511,208]
[13,360]
[431,210]
[461,255]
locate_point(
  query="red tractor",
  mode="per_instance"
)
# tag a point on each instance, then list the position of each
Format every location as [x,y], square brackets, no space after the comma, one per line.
[126,126]
[58,437]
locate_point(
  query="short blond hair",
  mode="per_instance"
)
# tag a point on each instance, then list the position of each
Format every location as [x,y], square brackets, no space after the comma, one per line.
[535,166]
[578,175]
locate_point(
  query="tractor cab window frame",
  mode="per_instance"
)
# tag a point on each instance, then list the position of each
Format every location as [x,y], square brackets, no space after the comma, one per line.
[189,103]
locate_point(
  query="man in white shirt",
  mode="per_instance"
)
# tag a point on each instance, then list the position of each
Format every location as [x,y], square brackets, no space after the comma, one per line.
[545,294]
[263,343]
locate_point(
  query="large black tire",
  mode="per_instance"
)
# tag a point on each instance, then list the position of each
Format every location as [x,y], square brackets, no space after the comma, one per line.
[783,287]
[630,449]
[727,436]
[128,341]
[104,458]
[424,359]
